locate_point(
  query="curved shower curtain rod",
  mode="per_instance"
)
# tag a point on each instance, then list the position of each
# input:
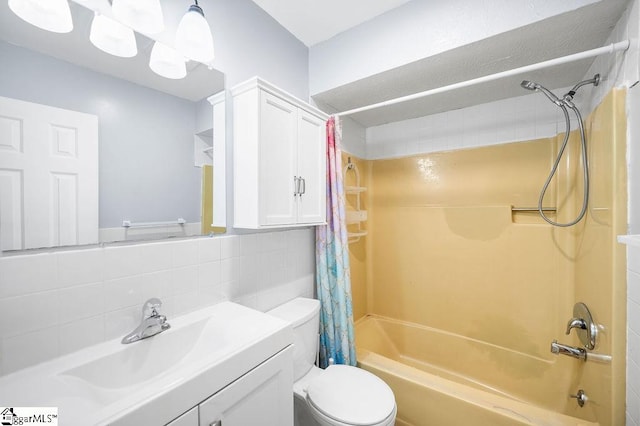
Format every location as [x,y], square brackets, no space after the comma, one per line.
[611,48]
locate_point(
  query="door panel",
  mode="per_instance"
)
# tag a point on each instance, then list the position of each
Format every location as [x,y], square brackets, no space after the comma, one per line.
[312,166]
[49,176]
[264,396]
[277,161]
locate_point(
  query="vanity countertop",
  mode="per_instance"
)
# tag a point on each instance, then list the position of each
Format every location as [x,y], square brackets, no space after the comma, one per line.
[154,380]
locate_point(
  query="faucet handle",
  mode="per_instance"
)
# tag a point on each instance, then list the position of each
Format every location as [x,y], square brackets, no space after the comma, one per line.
[151,307]
[576,323]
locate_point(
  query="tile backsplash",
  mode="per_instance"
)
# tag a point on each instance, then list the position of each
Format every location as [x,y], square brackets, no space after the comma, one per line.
[57,302]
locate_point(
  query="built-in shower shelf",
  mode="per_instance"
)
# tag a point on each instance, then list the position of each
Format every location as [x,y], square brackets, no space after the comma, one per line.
[355,189]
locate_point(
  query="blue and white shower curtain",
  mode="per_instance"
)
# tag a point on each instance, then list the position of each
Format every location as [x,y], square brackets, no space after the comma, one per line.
[333,276]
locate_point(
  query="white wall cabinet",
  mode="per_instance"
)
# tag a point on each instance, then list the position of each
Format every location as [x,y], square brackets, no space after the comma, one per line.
[279,158]
[263,396]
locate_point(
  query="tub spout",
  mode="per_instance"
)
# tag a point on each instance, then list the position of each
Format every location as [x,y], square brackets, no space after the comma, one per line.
[560,349]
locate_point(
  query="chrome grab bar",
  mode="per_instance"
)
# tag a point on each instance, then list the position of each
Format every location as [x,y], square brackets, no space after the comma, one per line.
[532,209]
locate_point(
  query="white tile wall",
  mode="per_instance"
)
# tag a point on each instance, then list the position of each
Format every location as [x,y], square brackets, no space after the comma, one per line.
[620,68]
[523,118]
[58,302]
[633,334]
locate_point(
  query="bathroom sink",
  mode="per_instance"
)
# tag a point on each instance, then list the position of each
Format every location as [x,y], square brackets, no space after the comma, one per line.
[154,380]
[137,363]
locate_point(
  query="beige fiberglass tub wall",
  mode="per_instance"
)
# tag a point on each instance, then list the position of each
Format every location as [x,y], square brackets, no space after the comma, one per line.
[463,296]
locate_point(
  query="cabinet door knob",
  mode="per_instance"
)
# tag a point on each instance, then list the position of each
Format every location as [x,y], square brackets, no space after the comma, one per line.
[304,186]
[216,423]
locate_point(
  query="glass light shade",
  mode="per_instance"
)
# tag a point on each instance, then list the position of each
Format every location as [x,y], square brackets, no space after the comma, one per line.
[193,37]
[144,16]
[112,37]
[167,62]
[50,15]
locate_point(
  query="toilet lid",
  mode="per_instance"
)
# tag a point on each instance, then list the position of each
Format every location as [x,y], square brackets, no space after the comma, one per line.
[351,395]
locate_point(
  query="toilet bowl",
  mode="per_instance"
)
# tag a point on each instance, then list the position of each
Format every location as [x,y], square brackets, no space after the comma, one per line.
[340,395]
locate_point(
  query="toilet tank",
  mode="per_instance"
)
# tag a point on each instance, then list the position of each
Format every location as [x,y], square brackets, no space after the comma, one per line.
[304,316]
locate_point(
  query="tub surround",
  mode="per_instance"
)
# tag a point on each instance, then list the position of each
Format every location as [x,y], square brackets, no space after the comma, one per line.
[449,378]
[446,252]
[58,302]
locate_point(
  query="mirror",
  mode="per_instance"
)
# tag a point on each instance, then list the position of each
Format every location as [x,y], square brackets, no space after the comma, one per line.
[157,144]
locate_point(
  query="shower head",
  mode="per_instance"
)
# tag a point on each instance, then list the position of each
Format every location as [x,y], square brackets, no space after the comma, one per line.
[530,85]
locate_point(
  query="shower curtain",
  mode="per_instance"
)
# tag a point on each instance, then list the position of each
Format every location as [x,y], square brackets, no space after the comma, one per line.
[332,264]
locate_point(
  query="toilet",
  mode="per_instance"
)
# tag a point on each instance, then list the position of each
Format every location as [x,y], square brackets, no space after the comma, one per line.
[340,395]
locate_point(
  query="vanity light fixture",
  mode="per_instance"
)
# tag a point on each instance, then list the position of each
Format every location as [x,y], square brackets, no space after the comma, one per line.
[112,37]
[167,62]
[144,16]
[50,15]
[193,37]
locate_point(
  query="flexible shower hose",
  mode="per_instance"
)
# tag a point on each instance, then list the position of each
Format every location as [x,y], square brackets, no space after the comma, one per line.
[554,169]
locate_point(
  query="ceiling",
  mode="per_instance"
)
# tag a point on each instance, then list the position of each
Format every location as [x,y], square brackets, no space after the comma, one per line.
[312,21]
[75,47]
[582,29]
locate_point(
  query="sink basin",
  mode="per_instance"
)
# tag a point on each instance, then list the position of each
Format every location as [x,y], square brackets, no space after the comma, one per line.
[154,380]
[146,359]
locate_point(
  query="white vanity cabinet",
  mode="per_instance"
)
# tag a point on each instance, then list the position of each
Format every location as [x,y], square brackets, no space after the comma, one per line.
[279,161]
[190,418]
[263,396]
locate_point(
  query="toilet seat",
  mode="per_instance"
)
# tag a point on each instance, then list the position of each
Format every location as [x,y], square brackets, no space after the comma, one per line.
[345,395]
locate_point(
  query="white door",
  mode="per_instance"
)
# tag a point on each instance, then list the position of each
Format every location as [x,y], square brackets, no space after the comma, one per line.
[312,168]
[48,176]
[278,129]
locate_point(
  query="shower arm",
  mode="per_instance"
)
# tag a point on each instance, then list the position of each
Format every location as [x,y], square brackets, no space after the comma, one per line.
[568,97]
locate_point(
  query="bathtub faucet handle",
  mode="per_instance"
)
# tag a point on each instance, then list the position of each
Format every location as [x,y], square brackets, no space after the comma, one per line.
[581,397]
[576,323]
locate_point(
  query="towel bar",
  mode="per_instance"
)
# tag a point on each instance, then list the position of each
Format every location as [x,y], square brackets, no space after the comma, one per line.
[129,224]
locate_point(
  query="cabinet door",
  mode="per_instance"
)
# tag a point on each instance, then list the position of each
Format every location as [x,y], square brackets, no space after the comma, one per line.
[278,132]
[312,166]
[264,396]
[190,418]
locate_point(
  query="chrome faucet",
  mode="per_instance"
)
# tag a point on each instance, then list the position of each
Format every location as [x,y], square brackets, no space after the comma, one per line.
[152,322]
[560,349]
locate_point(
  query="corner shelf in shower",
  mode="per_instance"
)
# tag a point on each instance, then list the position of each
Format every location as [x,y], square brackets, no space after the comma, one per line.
[357,216]
[357,235]
[351,190]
